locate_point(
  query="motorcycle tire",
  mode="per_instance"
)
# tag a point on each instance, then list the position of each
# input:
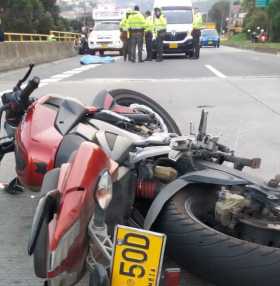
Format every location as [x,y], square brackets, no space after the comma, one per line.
[217,257]
[40,255]
[127,97]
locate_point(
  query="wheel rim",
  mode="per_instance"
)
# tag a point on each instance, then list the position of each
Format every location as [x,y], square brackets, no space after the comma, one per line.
[128,97]
[203,213]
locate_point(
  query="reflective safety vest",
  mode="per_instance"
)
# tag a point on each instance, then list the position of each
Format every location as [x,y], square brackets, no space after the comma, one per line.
[124,24]
[159,24]
[136,21]
[197,21]
[149,24]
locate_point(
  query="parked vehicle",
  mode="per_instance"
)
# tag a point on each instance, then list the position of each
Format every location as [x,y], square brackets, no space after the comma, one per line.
[83,45]
[105,37]
[123,161]
[209,38]
[179,17]
[263,37]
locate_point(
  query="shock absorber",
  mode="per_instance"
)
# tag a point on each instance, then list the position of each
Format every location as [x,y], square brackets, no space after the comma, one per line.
[146,189]
[152,178]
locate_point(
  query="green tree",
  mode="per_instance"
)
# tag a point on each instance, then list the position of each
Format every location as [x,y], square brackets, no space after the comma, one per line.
[32,16]
[274,15]
[256,18]
[219,12]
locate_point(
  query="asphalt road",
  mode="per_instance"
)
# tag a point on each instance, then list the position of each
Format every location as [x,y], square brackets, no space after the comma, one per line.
[240,88]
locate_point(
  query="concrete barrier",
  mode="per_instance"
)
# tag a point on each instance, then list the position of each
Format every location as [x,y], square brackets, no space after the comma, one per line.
[20,54]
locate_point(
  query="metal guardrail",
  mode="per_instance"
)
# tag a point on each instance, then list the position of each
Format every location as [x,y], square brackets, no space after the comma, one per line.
[65,36]
[22,37]
[53,35]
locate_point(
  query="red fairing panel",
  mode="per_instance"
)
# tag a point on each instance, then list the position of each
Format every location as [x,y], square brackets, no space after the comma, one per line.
[37,141]
[77,183]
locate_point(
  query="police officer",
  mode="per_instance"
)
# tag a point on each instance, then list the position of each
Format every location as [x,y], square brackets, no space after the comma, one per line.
[149,35]
[125,36]
[136,26]
[160,24]
[196,33]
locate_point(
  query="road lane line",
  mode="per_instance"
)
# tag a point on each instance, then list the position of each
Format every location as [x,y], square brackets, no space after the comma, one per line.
[60,77]
[216,72]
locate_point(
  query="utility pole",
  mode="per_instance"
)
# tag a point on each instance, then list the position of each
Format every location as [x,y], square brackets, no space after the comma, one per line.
[1,13]
[2,37]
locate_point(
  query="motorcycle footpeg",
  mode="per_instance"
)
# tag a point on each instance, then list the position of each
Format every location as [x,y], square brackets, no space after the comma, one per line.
[98,276]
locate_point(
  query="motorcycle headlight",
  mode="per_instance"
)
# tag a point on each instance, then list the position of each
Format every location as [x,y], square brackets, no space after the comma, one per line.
[104,190]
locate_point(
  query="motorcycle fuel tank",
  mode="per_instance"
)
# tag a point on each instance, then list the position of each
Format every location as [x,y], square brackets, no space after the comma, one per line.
[37,141]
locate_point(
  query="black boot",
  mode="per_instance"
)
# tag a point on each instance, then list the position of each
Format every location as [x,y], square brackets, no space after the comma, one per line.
[159,58]
[14,187]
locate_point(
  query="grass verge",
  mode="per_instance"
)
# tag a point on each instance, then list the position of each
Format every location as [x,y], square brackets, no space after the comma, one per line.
[241,41]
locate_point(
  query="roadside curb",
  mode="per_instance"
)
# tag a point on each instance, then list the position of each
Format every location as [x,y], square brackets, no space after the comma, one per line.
[256,49]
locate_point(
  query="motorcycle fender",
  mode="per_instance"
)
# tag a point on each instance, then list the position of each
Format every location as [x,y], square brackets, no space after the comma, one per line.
[206,176]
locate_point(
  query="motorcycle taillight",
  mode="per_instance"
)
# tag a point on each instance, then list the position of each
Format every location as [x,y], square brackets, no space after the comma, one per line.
[172,277]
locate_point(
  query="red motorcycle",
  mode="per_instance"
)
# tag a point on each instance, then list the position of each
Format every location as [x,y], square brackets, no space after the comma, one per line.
[123,161]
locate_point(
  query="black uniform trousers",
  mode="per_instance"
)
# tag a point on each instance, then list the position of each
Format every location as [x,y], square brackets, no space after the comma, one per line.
[136,41]
[196,33]
[149,45]
[125,40]
[159,44]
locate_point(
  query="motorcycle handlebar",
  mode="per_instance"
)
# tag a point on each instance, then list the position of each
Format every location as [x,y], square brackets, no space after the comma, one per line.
[31,86]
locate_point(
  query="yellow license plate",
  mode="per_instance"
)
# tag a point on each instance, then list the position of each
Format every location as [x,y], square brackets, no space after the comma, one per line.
[173,46]
[104,46]
[210,42]
[137,258]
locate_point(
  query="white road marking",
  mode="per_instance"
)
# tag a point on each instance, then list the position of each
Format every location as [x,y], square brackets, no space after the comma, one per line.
[215,71]
[59,77]
[5,91]
[43,84]
[148,80]
[73,72]
[49,80]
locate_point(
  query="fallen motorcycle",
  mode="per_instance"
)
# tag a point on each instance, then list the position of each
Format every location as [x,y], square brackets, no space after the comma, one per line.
[123,161]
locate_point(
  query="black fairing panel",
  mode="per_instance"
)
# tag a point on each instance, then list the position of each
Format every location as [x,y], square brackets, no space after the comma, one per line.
[50,183]
[69,113]
[100,99]
[69,144]
[120,207]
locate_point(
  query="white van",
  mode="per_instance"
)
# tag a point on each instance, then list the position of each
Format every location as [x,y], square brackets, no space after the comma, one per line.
[179,15]
[105,37]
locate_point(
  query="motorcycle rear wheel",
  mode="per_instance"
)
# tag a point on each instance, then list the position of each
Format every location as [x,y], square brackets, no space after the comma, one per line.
[127,97]
[217,257]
